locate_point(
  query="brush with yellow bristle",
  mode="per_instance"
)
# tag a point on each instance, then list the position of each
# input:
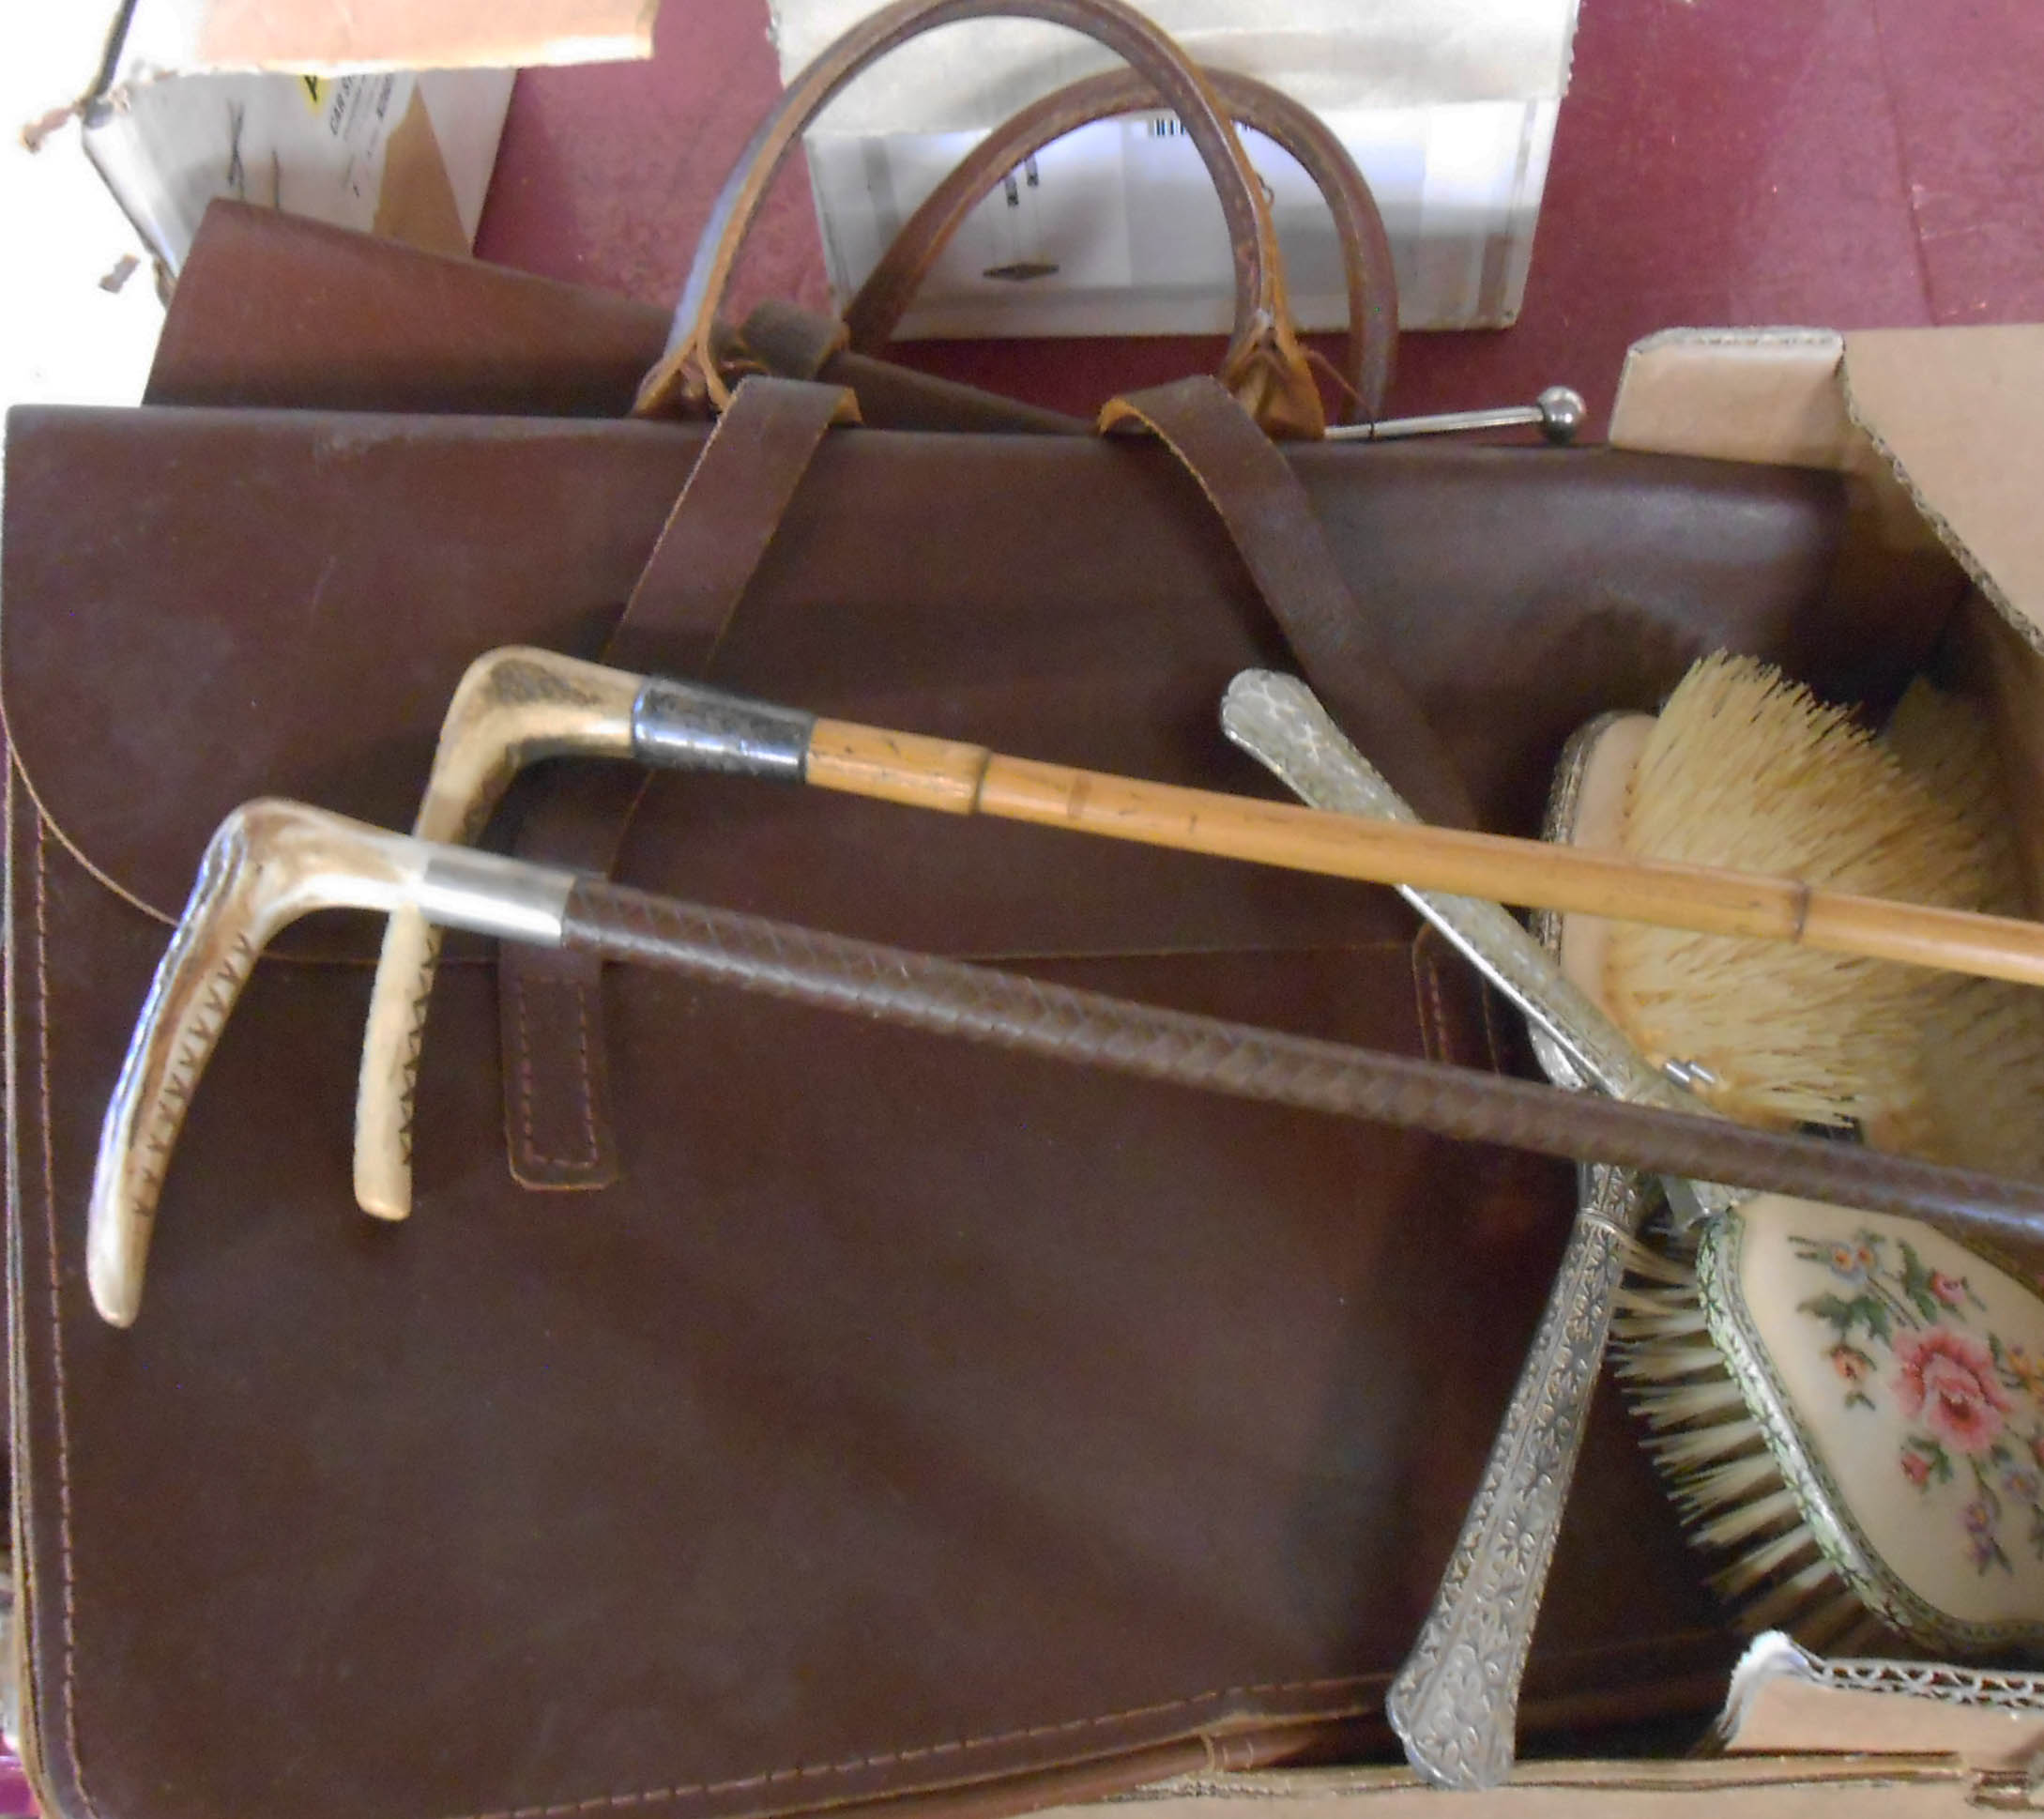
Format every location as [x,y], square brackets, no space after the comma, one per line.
[1849,1408]
[1980,1050]
[1746,767]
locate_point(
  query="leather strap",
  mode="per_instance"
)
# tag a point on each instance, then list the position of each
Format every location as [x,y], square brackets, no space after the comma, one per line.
[1265,366]
[556,1069]
[557,1121]
[873,315]
[798,343]
[788,340]
[1276,532]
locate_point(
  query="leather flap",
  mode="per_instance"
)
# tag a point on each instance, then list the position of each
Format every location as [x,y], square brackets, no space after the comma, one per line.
[313,585]
[219,604]
[312,605]
[375,325]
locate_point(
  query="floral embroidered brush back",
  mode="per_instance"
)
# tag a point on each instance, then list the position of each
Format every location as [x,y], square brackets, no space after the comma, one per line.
[1908,1377]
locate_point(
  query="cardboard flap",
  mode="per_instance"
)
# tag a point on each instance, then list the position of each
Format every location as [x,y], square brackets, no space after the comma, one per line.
[1843,1785]
[375,325]
[1955,411]
[1794,1718]
[1738,394]
[183,37]
[1785,1701]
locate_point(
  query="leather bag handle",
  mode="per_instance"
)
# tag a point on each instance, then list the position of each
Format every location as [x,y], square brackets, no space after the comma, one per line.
[873,315]
[1265,366]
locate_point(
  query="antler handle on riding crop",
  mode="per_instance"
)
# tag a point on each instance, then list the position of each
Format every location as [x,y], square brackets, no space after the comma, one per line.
[269,863]
[686,726]
[273,862]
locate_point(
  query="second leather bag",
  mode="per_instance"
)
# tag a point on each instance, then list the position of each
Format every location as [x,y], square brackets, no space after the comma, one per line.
[861,1417]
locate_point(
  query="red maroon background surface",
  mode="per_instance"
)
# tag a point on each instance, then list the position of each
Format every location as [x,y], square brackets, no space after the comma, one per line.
[1853,163]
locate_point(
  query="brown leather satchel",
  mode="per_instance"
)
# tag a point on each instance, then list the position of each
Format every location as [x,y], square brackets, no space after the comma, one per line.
[885,1420]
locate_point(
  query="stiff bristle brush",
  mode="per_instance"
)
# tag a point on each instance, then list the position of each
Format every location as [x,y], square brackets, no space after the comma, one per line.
[1849,1407]
[1848,1410]
[1742,765]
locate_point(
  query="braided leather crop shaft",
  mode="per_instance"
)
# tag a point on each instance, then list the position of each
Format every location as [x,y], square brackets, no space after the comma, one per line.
[950,998]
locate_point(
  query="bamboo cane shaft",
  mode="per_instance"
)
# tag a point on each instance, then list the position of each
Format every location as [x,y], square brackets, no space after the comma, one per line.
[1993,947]
[907,768]
[1534,874]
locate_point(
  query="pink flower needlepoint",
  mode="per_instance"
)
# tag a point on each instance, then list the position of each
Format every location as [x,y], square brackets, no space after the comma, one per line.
[1949,1381]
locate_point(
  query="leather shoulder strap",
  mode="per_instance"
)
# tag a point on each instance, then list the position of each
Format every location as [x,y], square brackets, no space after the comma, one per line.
[557,1121]
[1276,532]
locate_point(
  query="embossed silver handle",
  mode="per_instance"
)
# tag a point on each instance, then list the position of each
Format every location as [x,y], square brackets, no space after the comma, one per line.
[1454,1702]
[1281,724]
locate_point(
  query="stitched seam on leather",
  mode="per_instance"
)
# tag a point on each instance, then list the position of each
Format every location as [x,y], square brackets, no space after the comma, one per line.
[1311,613]
[923,1752]
[1425,986]
[593,1147]
[532,1153]
[597,1802]
[1313,616]
[1486,1002]
[56,1326]
[45,819]
[1448,1026]
[1199,478]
